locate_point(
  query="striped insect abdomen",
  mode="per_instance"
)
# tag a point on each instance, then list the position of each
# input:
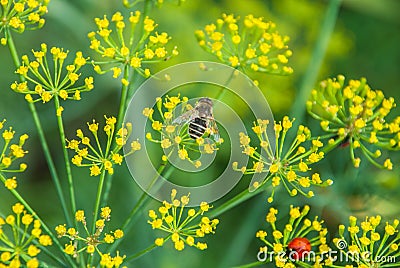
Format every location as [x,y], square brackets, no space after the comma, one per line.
[197,127]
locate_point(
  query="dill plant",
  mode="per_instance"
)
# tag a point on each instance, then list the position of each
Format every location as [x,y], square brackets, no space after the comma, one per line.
[127,47]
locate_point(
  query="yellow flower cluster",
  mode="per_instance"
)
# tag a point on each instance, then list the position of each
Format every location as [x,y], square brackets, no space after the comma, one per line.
[91,242]
[143,45]
[182,226]
[291,244]
[21,15]
[369,244]
[250,45]
[102,158]
[289,163]
[354,115]
[20,249]
[175,137]
[10,152]
[45,83]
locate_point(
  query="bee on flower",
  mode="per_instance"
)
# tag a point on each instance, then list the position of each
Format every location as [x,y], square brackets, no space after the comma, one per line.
[21,249]
[369,243]
[289,164]
[83,241]
[179,139]
[250,44]
[97,156]
[11,153]
[21,15]
[126,43]
[43,83]
[354,115]
[182,226]
[291,243]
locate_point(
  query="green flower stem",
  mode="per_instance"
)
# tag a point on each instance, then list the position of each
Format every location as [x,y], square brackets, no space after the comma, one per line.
[244,234]
[222,91]
[98,199]
[317,57]
[141,253]
[253,264]
[234,201]
[128,224]
[146,9]
[124,93]
[96,209]
[43,224]
[107,189]
[120,118]
[129,5]
[42,138]
[145,251]
[51,255]
[303,264]
[66,159]
[390,265]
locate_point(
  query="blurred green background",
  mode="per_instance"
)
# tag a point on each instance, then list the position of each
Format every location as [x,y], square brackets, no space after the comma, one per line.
[365,43]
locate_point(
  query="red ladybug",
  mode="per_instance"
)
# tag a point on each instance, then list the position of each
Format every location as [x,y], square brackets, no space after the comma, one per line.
[300,245]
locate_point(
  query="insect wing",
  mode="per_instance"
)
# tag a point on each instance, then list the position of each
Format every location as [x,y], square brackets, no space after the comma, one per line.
[186,117]
[214,130]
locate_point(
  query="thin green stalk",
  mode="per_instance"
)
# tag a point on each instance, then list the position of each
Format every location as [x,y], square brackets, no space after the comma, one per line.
[96,208]
[120,118]
[66,159]
[98,199]
[311,74]
[50,254]
[107,189]
[43,224]
[124,92]
[253,264]
[234,201]
[42,138]
[145,251]
[146,9]
[244,234]
[141,253]
[127,225]
[222,91]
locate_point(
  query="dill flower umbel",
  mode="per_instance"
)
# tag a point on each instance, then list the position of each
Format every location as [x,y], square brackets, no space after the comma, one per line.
[101,158]
[251,44]
[289,164]
[19,248]
[298,243]
[43,83]
[369,243]
[354,115]
[182,226]
[174,138]
[21,15]
[128,43]
[10,153]
[91,243]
